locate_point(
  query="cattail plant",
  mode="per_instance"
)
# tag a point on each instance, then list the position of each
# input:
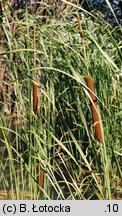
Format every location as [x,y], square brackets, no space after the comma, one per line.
[35,100]
[94,110]
[94,107]
[35,84]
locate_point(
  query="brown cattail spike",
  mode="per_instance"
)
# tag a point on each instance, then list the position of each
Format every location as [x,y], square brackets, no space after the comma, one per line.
[35,98]
[94,110]
[96,122]
[41,179]
[91,87]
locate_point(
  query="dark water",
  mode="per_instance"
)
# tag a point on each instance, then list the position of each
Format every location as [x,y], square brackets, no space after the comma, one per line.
[101,6]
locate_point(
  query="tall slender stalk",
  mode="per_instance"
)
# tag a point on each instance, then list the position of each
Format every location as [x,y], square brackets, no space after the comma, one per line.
[35,99]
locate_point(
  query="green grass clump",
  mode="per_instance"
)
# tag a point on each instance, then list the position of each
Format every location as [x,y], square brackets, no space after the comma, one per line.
[60,139]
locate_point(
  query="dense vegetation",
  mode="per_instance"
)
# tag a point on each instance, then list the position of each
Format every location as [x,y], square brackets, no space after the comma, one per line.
[52,152]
